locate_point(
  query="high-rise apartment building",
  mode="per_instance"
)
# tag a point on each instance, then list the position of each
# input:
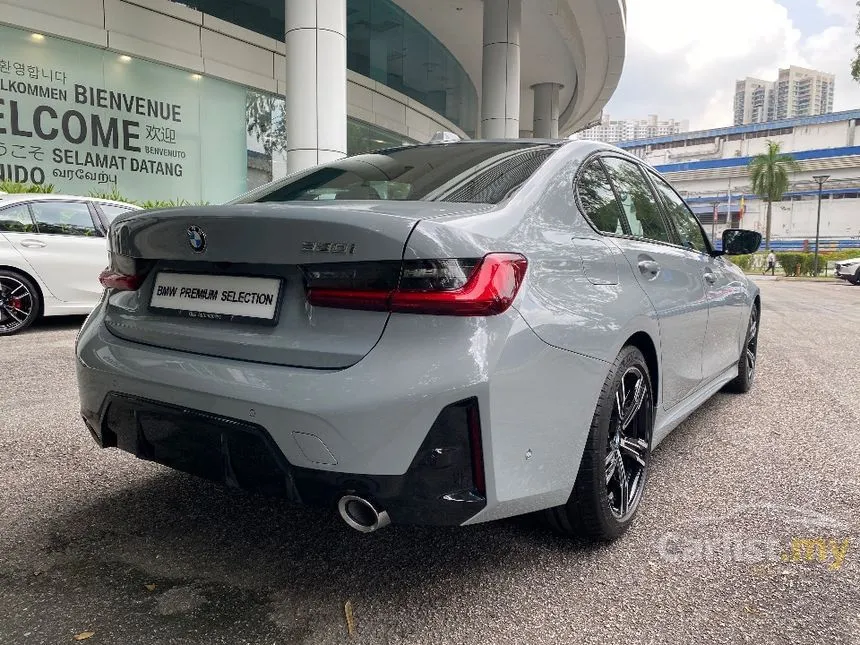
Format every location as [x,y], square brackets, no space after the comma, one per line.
[797,92]
[610,131]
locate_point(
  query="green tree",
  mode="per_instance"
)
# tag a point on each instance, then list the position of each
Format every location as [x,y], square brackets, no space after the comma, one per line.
[264,115]
[855,64]
[769,176]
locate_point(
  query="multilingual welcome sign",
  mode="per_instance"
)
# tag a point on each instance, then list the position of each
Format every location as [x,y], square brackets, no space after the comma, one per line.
[86,119]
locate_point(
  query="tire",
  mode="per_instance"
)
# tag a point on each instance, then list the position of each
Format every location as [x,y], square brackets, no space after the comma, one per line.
[20,302]
[856,279]
[597,509]
[743,382]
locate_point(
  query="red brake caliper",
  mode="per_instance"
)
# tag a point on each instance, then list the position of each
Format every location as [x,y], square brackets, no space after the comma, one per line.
[16,303]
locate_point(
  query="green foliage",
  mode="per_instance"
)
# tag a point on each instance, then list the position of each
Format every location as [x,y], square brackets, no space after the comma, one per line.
[791,263]
[114,195]
[835,256]
[808,265]
[743,262]
[266,123]
[168,203]
[769,172]
[757,262]
[803,264]
[769,176]
[15,187]
[855,64]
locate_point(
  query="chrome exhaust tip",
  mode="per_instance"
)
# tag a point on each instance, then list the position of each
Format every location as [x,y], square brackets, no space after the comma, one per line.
[361,515]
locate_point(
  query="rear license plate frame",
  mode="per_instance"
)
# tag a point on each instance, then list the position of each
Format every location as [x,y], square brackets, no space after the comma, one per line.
[219,317]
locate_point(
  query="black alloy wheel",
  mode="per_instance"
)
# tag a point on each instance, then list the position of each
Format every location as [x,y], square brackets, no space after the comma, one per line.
[628,444]
[614,466]
[19,303]
[749,357]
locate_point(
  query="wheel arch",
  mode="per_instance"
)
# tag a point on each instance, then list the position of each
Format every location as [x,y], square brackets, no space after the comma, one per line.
[645,344]
[31,278]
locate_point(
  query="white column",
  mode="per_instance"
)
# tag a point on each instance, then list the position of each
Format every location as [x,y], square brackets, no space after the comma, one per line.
[315,38]
[546,110]
[500,81]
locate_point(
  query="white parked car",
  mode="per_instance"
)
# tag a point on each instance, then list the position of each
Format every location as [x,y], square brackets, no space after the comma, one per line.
[52,249]
[849,270]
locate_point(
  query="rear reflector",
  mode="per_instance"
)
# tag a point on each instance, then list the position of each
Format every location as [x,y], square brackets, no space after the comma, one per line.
[121,282]
[473,419]
[454,287]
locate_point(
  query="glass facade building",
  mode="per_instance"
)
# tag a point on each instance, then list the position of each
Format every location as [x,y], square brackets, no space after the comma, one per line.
[89,120]
[383,43]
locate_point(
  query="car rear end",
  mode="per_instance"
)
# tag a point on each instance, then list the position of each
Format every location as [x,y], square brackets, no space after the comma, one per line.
[291,349]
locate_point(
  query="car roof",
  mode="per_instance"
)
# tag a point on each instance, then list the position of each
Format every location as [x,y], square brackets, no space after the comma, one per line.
[11,198]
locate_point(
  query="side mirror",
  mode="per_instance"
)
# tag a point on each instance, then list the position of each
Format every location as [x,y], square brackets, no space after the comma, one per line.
[738,241]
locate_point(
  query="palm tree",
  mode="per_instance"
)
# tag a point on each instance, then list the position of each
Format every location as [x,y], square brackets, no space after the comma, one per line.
[769,175]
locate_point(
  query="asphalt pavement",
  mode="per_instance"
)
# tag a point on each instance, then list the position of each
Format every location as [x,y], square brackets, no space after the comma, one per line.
[99,545]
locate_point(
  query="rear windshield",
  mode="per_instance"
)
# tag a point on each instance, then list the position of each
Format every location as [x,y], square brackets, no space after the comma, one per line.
[478,172]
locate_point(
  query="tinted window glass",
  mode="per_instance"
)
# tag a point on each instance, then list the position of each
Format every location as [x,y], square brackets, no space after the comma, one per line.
[637,200]
[484,173]
[63,218]
[502,179]
[16,219]
[112,212]
[684,221]
[598,200]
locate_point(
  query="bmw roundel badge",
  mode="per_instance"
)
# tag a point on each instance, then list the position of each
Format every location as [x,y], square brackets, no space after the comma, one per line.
[197,239]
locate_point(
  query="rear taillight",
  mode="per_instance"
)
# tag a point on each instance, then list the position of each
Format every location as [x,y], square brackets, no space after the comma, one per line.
[455,287]
[112,280]
[124,273]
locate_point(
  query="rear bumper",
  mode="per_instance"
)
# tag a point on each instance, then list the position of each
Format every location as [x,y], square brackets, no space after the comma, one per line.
[437,488]
[363,427]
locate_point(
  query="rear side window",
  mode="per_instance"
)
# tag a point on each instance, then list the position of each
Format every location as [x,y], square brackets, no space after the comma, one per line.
[638,201]
[598,201]
[500,180]
[64,218]
[112,212]
[474,172]
[684,221]
[16,219]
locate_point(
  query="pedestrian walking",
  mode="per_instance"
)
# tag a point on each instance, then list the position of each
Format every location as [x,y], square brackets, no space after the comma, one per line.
[771,264]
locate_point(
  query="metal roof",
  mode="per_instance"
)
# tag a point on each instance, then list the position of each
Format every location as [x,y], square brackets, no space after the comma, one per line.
[833,117]
[731,162]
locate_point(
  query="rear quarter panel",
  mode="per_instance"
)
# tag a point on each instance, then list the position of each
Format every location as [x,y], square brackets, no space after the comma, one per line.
[579,294]
[540,402]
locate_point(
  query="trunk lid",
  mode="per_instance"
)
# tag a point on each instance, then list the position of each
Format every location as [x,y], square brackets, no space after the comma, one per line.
[255,252]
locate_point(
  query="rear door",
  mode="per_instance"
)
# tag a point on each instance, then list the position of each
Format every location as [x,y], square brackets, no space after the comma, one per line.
[726,293]
[670,276]
[16,226]
[68,252]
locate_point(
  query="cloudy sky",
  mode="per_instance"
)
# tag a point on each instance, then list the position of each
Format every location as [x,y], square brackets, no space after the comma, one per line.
[683,56]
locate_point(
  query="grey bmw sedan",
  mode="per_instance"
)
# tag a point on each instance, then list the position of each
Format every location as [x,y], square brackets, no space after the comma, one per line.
[442,334]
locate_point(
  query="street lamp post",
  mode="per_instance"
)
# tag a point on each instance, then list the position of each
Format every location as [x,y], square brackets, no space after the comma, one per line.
[820,179]
[714,223]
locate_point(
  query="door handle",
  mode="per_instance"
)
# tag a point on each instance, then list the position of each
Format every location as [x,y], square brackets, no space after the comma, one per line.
[649,268]
[33,244]
[710,278]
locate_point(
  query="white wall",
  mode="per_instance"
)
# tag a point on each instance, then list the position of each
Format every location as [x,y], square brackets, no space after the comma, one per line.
[839,218]
[815,137]
[172,34]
